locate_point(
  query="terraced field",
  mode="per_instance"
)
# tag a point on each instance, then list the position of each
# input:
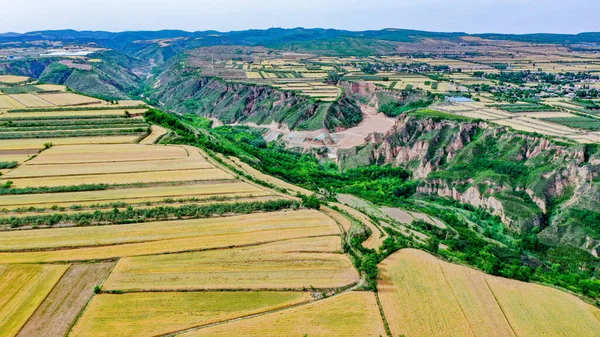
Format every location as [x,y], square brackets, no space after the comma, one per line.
[350,314]
[292,264]
[81,193]
[542,119]
[137,314]
[109,233]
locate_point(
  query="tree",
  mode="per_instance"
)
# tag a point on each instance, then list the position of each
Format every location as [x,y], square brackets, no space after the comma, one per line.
[433,244]
[311,202]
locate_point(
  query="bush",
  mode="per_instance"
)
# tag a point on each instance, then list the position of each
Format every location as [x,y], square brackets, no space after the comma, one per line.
[8,164]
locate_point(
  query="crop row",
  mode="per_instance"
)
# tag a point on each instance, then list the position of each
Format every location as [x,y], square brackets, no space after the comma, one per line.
[59,122]
[584,123]
[49,118]
[133,215]
[75,133]
[75,127]
[59,109]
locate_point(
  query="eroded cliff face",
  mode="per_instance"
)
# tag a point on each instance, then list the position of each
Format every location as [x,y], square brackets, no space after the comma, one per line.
[183,91]
[527,181]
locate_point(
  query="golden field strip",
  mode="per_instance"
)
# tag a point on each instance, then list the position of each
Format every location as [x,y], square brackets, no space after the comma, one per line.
[291,264]
[111,153]
[32,170]
[134,194]
[13,79]
[347,315]
[106,242]
[155,231]
[67,99]
[77,113]
[22,289]
[151,314]
[124,178]
[7,102]
[422,296]
[31,101]
[38,143]
[39,173]
[263,196]
[157,133]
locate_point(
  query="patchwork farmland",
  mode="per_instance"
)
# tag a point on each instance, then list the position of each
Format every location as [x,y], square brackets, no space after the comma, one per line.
[104,229]
[95,213]
[534,118]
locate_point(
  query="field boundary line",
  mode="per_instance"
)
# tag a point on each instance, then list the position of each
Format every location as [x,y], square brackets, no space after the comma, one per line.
[386,326]
[499,305]
[112,173]
[42,301]
[109,206]
[105,162]
[134,242]
[439,264]
[231,290]
[356,285]
[163,253]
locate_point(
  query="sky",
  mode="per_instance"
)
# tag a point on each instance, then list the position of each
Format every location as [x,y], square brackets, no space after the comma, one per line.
[471,16]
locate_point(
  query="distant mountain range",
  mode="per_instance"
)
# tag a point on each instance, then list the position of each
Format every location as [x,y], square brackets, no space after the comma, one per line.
[277,36]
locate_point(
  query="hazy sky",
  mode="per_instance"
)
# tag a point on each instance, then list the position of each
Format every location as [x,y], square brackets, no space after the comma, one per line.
[472,16]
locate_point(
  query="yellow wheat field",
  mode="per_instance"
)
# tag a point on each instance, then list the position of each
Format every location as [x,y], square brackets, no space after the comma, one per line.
[51,87]
[109,153]
[131,195]
[151,314]
[534,310]
[38,143]
[253,74]
[13,79]
[294,264]
[67,98]
[423,296]
[477,302]
[161,237]
[339,218]
[31,101]
[7,102]
[353,314]
[416,298]
[22,290]
[32,170]
[265,196]
[153,231]
[157,133]
[81,112]
[154,247]
[123,178]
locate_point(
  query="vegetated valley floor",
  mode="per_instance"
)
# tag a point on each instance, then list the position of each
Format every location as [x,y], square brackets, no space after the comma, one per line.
[105,232]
